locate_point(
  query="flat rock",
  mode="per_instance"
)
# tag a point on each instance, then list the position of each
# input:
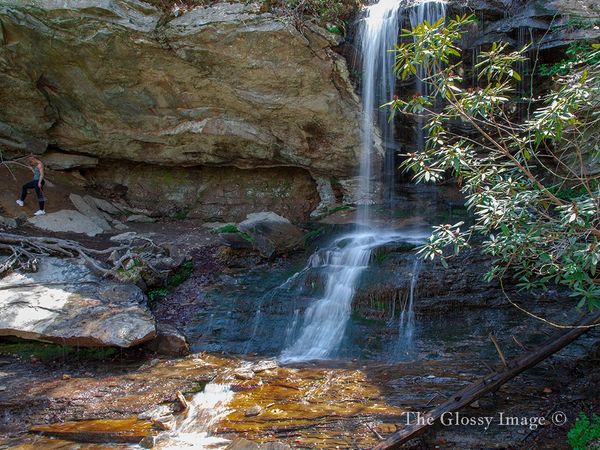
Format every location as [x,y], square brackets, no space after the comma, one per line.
[244,444]
[65,302]
[66,221]
[103,205]
[261,366]
[140,218]
[99,431]
[243,374]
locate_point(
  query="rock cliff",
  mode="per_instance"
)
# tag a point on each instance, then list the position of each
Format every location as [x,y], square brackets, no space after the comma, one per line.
[223,86]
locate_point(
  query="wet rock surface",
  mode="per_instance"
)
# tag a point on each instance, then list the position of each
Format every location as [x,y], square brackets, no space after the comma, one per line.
[314,406]
[271,234]
[64,302]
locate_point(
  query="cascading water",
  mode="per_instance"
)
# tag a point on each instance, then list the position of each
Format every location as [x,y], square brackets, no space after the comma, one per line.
[407,316]
[325,321]
[205,410]
[430,11]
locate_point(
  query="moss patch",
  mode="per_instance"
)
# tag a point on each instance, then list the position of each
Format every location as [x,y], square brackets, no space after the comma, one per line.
[50,352]
[175,279]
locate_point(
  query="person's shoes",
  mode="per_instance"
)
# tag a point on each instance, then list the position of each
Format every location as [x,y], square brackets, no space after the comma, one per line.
[40,212]
[20,203]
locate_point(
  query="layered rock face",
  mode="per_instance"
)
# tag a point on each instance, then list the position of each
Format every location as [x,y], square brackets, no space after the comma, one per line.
[221,86]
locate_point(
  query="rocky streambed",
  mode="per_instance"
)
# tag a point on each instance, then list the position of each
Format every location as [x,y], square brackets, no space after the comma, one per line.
[78,399]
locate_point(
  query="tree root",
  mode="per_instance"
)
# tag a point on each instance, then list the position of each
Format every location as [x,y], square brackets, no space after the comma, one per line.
[24,253]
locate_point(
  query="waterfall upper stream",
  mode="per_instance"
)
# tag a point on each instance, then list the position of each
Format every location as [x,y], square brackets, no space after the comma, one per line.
[324,323]
[378,35]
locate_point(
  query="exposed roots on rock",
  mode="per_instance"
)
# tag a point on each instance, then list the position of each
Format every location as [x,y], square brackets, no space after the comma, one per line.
[136,252]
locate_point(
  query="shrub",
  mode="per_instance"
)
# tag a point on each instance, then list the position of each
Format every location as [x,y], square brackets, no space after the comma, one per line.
[585,433]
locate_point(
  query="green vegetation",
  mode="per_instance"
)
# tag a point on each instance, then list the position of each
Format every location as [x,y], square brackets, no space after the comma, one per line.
[581,23]
[181,214]
[230,228]
[529,184]
[131,272]
[576,52]
[51,352]
[313,234]
[175,279]
[333,14]
[585,433]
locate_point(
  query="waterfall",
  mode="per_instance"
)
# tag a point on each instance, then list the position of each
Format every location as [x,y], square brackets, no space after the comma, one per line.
[342,264]
[378,34]
[407,316]
[430,11]
[524,37]
[325,320]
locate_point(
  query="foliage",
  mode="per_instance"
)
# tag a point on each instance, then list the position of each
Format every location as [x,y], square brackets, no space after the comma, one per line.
[585,433]
[332,13]
[581,23]
[181,214]
[528,184]
[229,228]
[175,279]
[577,52]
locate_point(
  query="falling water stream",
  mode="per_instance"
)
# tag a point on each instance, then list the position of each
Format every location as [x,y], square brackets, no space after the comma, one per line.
[430,11]
[378,35]
[320,332]
[325,321]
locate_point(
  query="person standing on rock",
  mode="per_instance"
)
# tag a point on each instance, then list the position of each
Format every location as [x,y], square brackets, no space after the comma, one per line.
[37,167]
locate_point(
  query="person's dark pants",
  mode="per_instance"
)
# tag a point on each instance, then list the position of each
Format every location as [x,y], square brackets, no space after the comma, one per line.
[33,184]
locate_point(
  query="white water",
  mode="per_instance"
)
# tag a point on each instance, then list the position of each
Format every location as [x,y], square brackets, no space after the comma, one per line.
[325,320]
[430,11]
[206,409]
[378,34]
[407,316]
[342,263]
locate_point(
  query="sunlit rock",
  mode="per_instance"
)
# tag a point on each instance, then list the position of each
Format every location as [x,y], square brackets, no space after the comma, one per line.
[65,303]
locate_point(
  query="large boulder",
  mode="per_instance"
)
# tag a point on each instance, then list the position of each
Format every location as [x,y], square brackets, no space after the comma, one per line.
[270,233]
[65,303]
[225,85]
